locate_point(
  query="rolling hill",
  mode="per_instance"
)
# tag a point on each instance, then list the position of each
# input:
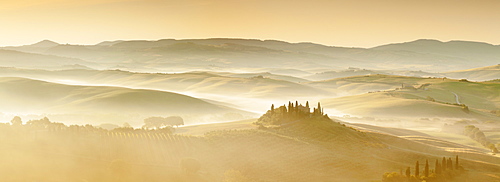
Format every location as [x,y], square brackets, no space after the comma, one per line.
[26,96]
[264,74]
[332,74]
[250,85]
[420,97]
[477,51]
[366,83]
[477,74]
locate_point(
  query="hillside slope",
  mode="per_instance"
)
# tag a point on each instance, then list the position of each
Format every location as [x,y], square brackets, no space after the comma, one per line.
[420,97]
[244,85]
[477,74]
[20,95]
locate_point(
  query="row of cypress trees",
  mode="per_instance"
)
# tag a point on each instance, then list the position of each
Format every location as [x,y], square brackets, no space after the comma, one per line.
[446,170]
[446,164]
[290,113]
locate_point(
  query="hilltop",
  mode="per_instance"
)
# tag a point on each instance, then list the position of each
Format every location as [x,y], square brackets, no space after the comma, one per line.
[44,43]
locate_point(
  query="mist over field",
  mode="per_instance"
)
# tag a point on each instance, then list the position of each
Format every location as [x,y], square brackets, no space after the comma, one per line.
[249,91]
[250,110]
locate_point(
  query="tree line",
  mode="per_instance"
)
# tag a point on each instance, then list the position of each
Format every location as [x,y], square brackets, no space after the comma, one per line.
[476,134]
[293,112]
[161,122]
[151,125]
[444,171]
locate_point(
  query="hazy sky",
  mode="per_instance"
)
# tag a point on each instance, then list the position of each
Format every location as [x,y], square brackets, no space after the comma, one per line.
[353,23]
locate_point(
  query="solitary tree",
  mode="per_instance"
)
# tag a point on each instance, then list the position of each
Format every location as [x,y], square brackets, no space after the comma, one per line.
[174,121]
[450,163]
[456,162]
[16,121]
[319,109]
[154,122]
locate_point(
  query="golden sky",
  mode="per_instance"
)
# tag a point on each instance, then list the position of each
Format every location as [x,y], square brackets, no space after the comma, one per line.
[353,23]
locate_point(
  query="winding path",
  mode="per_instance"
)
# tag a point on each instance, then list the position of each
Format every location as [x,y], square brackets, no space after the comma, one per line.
[456,98]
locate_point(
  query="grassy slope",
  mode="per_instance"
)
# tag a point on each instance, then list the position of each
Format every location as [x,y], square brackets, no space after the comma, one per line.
[20,95]
[366,83]
[200,130]
[408,102]
[318,151]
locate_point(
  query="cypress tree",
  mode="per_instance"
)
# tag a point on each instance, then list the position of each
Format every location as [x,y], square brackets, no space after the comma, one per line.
[319,109]
[297,108]
[456,162]
[450,163]
[437,167]
[408,173]
[426,169]
[417,169]
[307,104]
[272,109]
[443,164]
[284,111]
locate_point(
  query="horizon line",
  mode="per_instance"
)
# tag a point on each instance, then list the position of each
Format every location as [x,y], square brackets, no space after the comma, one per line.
[255,39]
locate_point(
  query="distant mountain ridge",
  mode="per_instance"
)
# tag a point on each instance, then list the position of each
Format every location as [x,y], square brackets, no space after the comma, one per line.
[20,59]
[217,53]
